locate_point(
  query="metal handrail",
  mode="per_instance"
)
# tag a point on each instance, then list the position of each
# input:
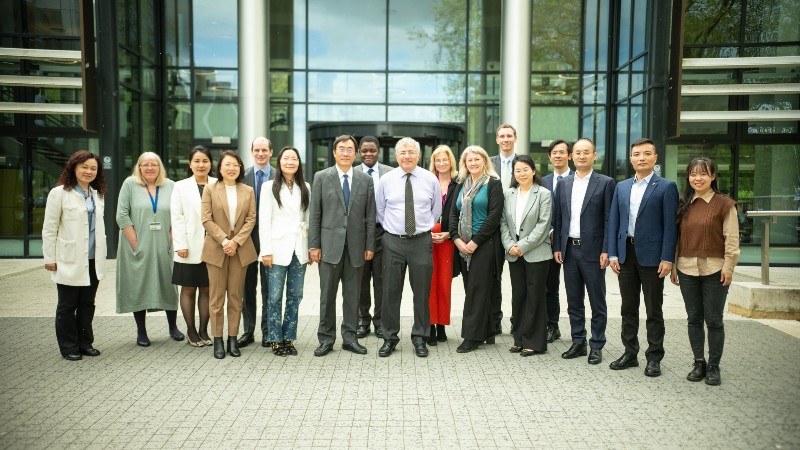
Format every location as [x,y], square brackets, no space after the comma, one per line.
[773,215]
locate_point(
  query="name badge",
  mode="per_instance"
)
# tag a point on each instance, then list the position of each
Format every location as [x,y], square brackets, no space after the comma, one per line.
[155,226]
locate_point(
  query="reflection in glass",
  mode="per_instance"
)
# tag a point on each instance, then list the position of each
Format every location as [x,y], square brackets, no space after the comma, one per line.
[12,201]
[483,88]
[179,83]
[703,77]
[211,84]
[637,75]
[346,113]
[344,87]
[287,34]
[712,22]
[772,21]
[427,35]
[51,19]
[481,123]
[215,40]
[426,88]
[639,35]
[216,119]
[624,48]
[554,89]
[621,166]
[773,102]
[548,123]
[287,86]
[339,38]
[176,33]
[772,50]
[595,87]
[484,35]
[556,35]
[623,83]
[594,126]
[147,22]
[426,113]
[179,138]
[8,21]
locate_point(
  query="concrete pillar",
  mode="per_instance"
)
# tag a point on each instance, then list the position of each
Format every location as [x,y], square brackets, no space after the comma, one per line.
[515,70]
[253,74]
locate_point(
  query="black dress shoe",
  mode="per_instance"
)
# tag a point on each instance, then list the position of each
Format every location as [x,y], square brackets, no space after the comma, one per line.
[355,347]
[233,347]
[712,376]
[142,340]
[653,369]
[698,371]
[490,340]
[90,351]
[624,361]
[219,348]
[176,334]
[379,331]
[387,348]
[553,334]
[526,353]
[441,335]
[323,349]
[575,351]
[420,349]
[468,346]
[73,356]
[362,331]
[595,356]
[246,340]
[265,342]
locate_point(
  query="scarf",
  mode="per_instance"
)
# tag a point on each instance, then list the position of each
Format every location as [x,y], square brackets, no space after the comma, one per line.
[468,193]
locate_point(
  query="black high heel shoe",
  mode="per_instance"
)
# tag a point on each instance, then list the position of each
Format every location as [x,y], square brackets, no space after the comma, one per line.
[288,348]
[219,348]
[432,338]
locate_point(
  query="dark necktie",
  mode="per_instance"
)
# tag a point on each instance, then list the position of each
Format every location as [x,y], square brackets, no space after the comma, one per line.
[411,223]
[346,192]
[555,185]
[370,172]
[259,182]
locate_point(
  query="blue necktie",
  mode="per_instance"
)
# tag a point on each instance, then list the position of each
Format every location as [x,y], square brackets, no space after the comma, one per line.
[346,192]
[259,181]
[555,185]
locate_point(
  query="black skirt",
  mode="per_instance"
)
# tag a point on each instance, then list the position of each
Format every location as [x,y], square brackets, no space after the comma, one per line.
[193,275]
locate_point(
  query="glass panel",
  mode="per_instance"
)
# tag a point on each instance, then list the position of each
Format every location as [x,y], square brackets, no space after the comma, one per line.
[484,35]
[344,87]
[51,18]
[288,86]
[711,52]
[677,157]
[712,22]
[129,128]
[594,127]
[150,75]
[548,123]
[215,33]
[346,113]
[621,166]
[425,35]
[772,21]
[426,88]
[556,39]
[590,40]
[771,75]
[483,88]
[278,120]
[780,102]
[623,83]
[12,202]
[6,95]
[176,33]
[179,83]
[150,119]
[287,35]
[299,126]
[637,118]
[216,119]
[128,68]
[637,75]
[481,123]
[704,103]
[127,24]
[595,88]
[8,21]
[624,36]
[782,50]
[179,138]
[554,89]
[426,114]
[341,39]
[210,84]
[639,37]
[148,30]
[703,77]
[698,128]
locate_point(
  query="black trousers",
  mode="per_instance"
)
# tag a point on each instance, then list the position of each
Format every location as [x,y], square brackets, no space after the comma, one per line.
[553,285]
[416,254]
[635,279]
[371,270]
[497,302]
[529,304]
[74,314]
[250,301]
[580,273]
[478,322]
[704,297]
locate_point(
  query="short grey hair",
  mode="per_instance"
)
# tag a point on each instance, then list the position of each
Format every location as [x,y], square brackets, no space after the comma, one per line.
[407,142]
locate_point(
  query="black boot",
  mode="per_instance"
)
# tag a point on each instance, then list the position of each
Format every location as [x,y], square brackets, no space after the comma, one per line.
[441,335]
[219,348]
[233,347]
[432,337]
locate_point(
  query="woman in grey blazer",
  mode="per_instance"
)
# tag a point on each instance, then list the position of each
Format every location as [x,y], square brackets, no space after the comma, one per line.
[525,232]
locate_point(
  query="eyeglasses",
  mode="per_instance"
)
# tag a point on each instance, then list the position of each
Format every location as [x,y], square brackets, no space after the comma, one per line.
[345,151]
[149,166]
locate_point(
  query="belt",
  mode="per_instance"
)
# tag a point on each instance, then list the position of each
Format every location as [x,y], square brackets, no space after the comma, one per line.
[574,242]
[630,239]
[410,236]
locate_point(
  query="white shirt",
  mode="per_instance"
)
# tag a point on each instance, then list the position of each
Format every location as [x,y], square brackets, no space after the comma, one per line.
[556,180]
[637,192]
[522,202]
[506,171]
[576,202]
[375,175]
[231,191]
[349,174]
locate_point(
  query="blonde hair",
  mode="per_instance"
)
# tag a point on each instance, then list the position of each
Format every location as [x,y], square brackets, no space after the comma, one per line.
[488,168]
[453,165]
[137,172]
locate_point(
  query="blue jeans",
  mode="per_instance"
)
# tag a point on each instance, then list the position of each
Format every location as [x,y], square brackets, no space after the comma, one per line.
[293,276]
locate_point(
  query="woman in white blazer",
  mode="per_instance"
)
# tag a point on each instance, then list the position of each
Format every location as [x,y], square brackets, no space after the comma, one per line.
[74,249]
[283,232]
[525,232]
[189,271]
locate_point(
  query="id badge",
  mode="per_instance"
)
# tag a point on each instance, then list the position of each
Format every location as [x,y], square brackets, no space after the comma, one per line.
[155,226]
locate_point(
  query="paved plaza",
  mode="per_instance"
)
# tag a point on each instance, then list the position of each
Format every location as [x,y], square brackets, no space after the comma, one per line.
[171,395]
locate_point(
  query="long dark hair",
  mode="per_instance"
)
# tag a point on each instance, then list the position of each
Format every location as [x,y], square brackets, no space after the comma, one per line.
[525,159]
[68,179]
[703,164]
[232,154]
[280,180]
[200,149]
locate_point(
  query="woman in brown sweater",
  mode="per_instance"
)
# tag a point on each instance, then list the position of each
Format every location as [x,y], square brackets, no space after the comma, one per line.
[707,251]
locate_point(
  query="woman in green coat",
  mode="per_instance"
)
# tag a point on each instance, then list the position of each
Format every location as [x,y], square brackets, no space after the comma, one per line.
[144,254]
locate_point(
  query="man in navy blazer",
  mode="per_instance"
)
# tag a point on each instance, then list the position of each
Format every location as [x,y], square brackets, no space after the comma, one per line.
[641,247]
[559,153]
[583,202]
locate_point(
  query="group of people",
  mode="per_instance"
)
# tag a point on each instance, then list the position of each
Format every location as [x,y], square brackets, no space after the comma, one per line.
[368,225]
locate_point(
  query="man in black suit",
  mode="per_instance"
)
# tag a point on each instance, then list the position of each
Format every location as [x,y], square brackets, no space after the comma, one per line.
[580,222]
[255,177]
[559,154]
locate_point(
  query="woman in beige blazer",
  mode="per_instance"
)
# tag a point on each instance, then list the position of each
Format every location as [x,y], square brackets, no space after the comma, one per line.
[229,216]
[74,250]
[525,232]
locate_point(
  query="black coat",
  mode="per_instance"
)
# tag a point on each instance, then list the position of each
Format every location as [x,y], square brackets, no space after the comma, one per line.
[491,226]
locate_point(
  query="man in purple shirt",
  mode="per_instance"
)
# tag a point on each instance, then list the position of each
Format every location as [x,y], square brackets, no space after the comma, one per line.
[408,202]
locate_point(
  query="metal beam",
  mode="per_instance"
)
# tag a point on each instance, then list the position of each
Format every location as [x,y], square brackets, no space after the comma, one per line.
[71,56]
[41,108]
[737,63]
[740,116]
[740,89]
[41,82]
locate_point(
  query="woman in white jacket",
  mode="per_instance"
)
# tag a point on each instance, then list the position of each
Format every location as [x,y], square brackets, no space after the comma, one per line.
[74,249]
[189,272]
[283,231]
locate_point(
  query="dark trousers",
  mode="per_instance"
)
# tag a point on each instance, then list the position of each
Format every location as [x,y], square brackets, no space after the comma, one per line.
[580,273]
[329,277]
[529,304]
[371,270]
[553,285]
[74,314]
[416,254]
[633,279]
[704,297]
[478,320]
[497,303]
[250,302]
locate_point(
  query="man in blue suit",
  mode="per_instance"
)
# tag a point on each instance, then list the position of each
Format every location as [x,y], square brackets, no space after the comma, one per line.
[642,235]
[582,205]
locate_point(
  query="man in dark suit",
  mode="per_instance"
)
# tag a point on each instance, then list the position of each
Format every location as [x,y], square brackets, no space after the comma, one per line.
[369,151]
[642,235]
[583,201]
[503,163]
[559,154]
[341,237]
[255,177]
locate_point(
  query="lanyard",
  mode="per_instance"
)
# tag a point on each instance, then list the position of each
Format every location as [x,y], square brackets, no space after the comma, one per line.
[153,201]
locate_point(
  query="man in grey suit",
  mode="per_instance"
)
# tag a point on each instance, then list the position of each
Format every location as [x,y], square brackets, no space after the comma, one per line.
[369,150]
[503,162]
[341,237]
[255,176]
